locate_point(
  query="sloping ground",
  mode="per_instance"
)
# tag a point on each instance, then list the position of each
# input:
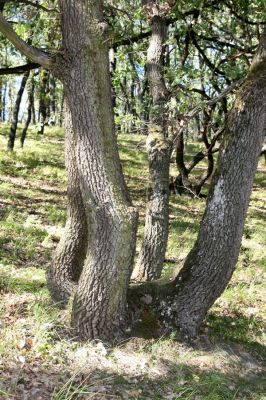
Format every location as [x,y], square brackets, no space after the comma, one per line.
[39,356]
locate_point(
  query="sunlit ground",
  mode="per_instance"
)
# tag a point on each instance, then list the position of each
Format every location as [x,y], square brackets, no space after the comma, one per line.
[40,358]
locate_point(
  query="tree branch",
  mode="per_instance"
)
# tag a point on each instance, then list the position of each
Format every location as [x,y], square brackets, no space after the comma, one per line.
[242,18]
[216,99]
[19,69]
[33,4]
[34,54]
[184,119]
[208,62]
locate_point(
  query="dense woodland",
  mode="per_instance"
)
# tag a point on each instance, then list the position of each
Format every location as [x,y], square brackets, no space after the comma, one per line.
[162,108]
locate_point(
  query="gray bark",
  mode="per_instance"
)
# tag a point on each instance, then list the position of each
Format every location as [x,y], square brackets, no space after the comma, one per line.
[100,300]
[150,262]
[29,111]
[211,263]
[63,275]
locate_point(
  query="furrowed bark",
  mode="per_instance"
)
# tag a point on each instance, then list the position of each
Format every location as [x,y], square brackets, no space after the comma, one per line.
[150,262]
[100,300]
[211,263]
[63,275]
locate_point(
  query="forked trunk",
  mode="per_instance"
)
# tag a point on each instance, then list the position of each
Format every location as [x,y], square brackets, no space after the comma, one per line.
[211,263]
[100,300]
[68,260]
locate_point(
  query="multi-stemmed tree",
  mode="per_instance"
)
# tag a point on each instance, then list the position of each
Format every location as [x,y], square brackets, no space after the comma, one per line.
[94,258]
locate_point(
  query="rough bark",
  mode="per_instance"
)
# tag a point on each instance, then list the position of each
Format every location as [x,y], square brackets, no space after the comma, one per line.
[63,275]
[211,263]
[150,262]
[29,111]
[14,123]
[100,300]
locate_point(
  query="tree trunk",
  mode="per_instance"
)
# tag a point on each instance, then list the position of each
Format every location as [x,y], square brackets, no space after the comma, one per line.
[33,110]
[63,275]
[53,100]
[211,263]
[100,301]
[150,262]
[13,129]
[29,111]
[44,77]
[4,102]
[61,112]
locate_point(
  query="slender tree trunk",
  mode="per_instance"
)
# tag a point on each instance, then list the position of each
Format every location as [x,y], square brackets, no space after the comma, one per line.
[29,111]
[44,77]
[4,102]
[52,100]
[61,113]
[211,263]
[100,301]
[13,129]
[70,254]
[150,262]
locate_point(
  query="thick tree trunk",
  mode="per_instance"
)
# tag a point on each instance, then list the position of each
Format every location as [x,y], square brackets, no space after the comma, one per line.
[100,300]
[63,275]
[211,263]
[150,262]
[29,112]
[13,128]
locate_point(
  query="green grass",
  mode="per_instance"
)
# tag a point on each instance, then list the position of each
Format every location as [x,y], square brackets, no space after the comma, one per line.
[37,346]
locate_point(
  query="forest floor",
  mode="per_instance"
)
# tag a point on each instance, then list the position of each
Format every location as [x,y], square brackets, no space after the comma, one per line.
[39,356]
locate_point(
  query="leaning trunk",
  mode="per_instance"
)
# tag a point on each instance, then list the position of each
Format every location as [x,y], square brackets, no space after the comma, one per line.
[211,263]
[29,112]
[14,123]
[100,300]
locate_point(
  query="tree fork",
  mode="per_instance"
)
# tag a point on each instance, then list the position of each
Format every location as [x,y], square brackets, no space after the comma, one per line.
[68,260]
[184,301]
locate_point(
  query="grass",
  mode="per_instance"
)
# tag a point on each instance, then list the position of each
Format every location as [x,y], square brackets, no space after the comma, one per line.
[40,358]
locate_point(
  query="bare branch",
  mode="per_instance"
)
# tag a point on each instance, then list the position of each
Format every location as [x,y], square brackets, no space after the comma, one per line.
[19,69]
[215,100]
[33,4]
[34,54]
[196,110]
